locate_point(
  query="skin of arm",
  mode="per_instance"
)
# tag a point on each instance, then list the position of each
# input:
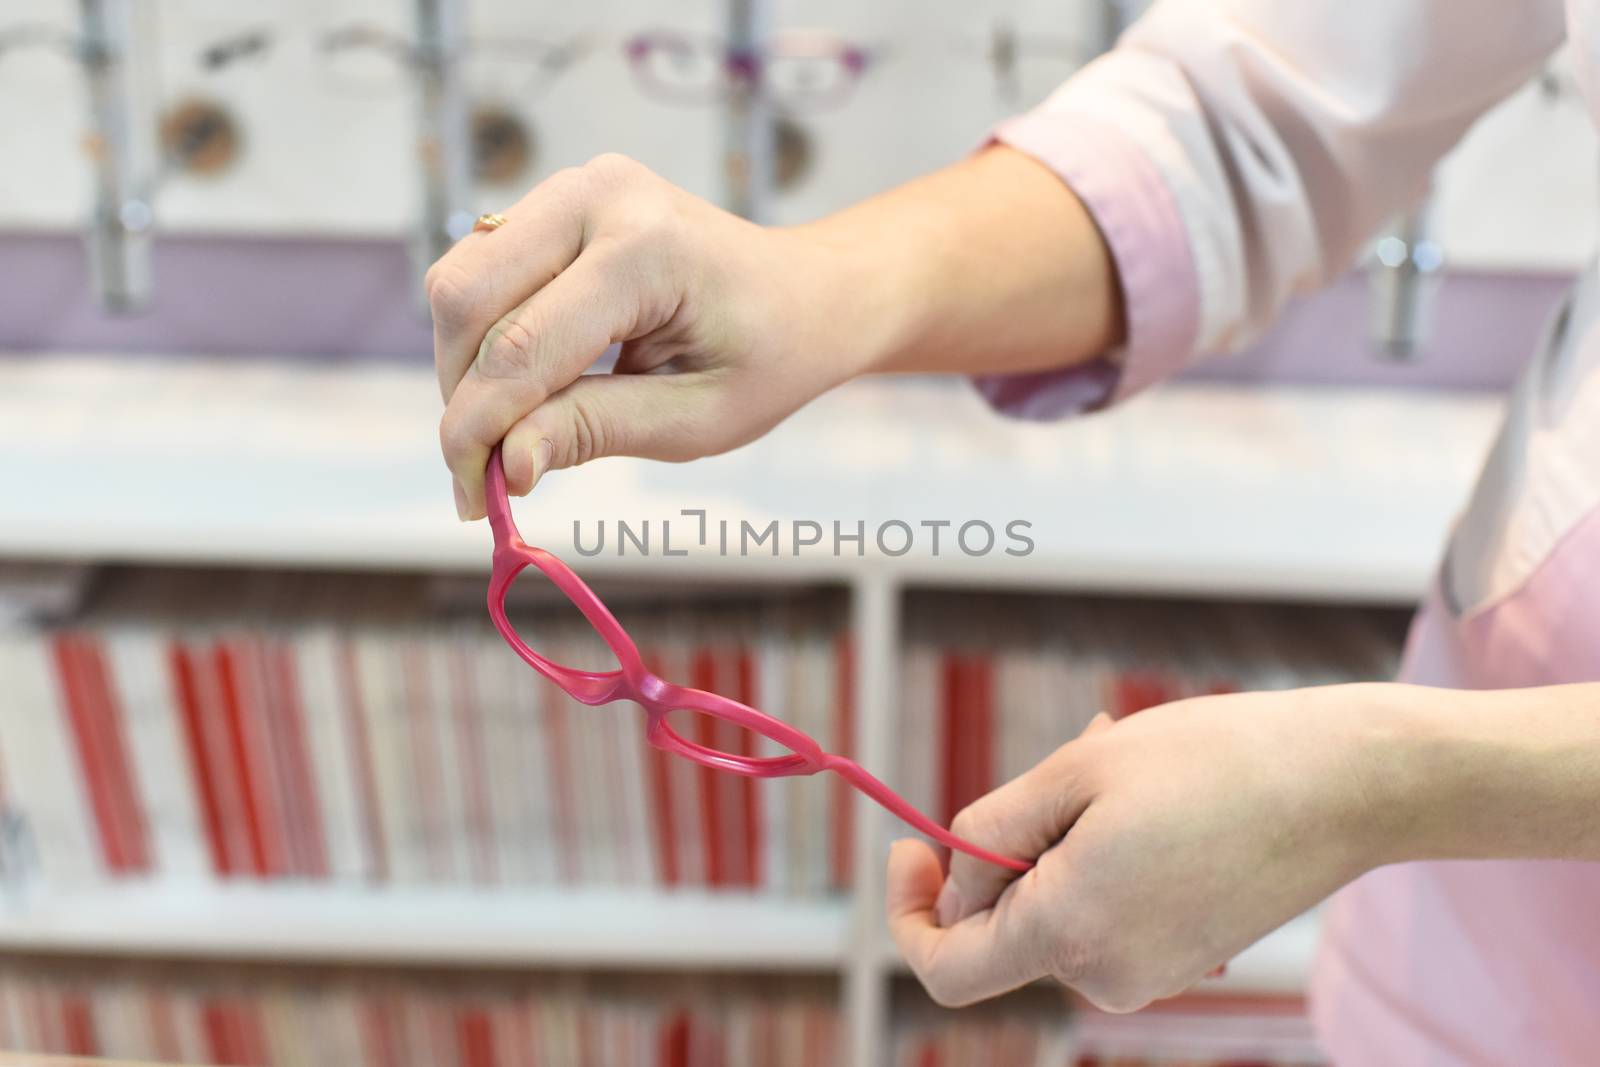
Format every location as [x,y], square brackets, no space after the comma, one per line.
[990,265]
[1173,839]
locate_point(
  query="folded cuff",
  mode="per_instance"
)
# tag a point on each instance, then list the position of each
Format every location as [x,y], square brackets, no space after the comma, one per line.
[1137,215]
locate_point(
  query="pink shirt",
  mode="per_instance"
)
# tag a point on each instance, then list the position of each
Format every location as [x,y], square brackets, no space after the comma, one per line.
[1235,153]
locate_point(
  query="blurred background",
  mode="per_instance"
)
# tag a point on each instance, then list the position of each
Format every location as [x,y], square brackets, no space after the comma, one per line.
[271,791]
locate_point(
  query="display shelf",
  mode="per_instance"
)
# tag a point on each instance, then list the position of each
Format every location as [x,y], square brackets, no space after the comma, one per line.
[594,928]
[1295,493]
[1277,965]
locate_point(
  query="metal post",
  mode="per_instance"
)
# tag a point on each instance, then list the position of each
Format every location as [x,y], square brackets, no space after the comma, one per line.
[874,624]
[1403,278]
[748,146]
[442,135]
[122,218]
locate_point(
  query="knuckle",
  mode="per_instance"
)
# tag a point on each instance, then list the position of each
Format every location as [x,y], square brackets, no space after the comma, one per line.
[590,437]
[614,168]
[451,299]
[972,822]
[508,351]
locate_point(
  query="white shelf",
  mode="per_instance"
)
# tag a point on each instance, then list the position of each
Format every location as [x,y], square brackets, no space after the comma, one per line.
[1277,965]
[594,928]
[1303,493]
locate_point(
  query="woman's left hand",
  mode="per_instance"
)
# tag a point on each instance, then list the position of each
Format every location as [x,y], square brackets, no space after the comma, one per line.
[1166,843]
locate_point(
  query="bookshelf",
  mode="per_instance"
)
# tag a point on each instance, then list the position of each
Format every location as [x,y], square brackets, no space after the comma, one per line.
[600,929]
[1312,495]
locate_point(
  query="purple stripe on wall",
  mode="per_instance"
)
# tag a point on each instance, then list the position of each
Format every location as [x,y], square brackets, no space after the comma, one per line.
[342,297]
[1480,331]
[221,296]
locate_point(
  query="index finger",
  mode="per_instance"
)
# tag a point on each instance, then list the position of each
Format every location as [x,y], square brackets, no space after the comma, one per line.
[489,273]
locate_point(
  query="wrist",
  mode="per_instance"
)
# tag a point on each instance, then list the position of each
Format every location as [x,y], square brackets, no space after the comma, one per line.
[862,290]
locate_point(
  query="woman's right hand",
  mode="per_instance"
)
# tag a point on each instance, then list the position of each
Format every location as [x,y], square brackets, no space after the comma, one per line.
[726,327]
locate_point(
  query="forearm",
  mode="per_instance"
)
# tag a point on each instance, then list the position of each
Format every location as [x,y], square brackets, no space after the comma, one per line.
[1497,774]
[988,266]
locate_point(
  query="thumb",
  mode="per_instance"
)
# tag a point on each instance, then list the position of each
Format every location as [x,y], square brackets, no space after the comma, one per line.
[653,416]
[1022,818]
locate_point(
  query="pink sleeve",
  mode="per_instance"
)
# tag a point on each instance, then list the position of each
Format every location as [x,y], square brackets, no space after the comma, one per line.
[1136,213]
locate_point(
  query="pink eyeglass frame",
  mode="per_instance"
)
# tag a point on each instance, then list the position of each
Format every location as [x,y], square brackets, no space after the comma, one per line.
[657,696]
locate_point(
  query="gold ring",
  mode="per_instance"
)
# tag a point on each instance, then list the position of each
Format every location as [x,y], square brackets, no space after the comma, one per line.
[485,223]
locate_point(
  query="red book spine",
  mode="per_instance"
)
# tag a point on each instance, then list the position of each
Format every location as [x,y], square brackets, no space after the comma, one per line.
[77,1024]
[474,767]
[186,685]
[302,782]
[1138,690]
[969,730]
[127,809]
[475,1038]
[845,733]
[355,721]
[234,1032]
[747,692]
[703,676]
[660,770]
[263,856]
[673,1049]
[218,1032]
[93,760]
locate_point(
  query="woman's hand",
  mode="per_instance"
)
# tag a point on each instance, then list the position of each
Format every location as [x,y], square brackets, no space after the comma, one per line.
[727,327]
[1166,843]
[990,265]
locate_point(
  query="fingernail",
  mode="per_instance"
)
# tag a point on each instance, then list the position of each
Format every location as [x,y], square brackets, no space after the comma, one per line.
[947,909]
[543,452]
[461,499]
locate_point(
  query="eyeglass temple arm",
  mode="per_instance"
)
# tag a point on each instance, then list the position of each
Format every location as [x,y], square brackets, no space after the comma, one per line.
[497,503]
[897,805]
